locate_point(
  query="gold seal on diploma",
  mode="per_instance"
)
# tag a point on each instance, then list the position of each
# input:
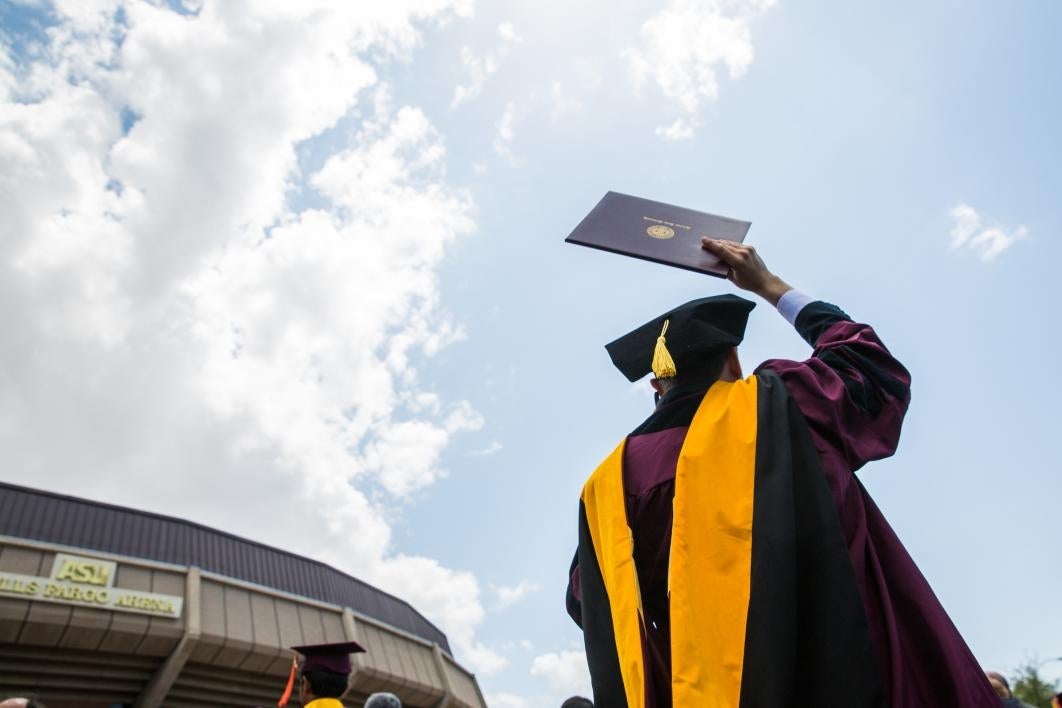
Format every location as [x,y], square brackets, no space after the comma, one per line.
[660,231]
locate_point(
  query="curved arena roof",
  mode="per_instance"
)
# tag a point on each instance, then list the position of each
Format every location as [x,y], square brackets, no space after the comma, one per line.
[71,521]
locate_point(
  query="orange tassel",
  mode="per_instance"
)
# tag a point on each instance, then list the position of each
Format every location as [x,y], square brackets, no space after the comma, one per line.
[291,684]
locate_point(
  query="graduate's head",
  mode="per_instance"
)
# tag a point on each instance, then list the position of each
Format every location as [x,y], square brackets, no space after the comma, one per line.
[325,671]
[717,365]
[21,703]
[999,683]
[383,700]
[577,702]
[322,684]
[693,343]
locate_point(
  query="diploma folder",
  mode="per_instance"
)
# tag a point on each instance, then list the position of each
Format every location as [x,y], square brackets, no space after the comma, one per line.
[657,232]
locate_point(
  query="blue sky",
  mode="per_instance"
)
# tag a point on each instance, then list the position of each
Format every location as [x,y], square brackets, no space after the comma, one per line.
[333,278]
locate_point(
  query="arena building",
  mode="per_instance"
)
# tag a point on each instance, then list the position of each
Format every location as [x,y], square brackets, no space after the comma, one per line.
[105,606]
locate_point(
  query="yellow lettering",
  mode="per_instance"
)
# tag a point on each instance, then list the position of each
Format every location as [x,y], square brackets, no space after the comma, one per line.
[148,604]
[66,587]
[17,586]
[68,571]
[87,573]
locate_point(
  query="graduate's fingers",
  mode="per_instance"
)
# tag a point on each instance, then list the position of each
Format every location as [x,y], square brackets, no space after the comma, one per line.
[715,247]
[720,250]
[727,251]
[747,269]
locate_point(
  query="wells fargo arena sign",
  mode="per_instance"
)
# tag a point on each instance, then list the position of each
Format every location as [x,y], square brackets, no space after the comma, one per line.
[87,582]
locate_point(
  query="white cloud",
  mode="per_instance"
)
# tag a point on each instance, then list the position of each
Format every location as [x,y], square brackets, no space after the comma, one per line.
[506,700]
[479,68]
[524,644]
[565,671]
[503,138]
[684,45]
[969,233]
[507,32]
[680,129]
[561,102]
[492,449]
[454,595]
[171,315]
[509,595]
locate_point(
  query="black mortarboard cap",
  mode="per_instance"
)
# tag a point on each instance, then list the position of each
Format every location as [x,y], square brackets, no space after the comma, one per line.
[692,330]
[328,657]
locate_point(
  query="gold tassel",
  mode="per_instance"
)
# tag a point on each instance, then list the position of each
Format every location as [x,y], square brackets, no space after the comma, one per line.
[663,364]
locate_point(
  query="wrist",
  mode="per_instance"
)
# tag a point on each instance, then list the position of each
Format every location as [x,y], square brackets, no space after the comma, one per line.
[773,289]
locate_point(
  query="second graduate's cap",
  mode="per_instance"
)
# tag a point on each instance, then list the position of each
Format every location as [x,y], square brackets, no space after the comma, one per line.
[677,339]
[320,657]
[328,657]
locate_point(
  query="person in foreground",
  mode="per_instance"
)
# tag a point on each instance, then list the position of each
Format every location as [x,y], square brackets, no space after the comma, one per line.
[324,675]
[1002,688]
[577,702]
[383,700]
[727,554]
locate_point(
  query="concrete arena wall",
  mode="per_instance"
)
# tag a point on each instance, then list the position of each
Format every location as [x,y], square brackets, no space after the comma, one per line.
[227,647]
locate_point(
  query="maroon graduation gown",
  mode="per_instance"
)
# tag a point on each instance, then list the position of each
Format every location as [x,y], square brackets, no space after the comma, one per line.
[852,394]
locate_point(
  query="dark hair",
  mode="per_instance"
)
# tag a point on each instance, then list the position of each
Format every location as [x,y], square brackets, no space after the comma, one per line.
[998,677]
[577,702]
[326,684]
[706,369]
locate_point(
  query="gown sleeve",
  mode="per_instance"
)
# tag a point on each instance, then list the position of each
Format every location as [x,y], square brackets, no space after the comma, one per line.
[573,598]
[852,391]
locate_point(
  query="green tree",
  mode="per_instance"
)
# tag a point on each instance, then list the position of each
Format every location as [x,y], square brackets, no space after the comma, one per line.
[1029,687]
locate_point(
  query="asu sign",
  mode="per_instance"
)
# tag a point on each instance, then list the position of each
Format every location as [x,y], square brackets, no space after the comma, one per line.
[87,582]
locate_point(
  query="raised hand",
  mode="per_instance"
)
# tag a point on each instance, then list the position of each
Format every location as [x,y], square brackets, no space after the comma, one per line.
[747,269]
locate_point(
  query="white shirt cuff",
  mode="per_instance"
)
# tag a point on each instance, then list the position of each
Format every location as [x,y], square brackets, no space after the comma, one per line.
[791,303]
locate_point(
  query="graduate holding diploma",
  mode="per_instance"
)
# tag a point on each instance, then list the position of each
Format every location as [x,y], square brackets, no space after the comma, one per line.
[728,556]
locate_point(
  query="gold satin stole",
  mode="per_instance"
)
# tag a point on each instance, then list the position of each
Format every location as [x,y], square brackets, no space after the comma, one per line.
[710,565]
